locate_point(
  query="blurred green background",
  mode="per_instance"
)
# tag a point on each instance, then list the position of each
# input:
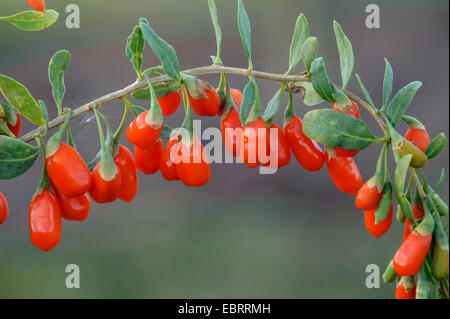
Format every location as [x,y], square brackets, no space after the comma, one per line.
[243,235]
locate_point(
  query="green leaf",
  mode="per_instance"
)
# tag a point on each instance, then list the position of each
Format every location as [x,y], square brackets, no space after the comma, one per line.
[248,98]
[217,28]
[135,48]
[301,33]
[245,31]
[21,100]
[400,174]
[164,51]
[436,146]
[401,101]
[310,96]
[32,20]
[365,92]
[44,109]
[320,81]
[309,52]
[58,64]
[341,98]
[346,57]
[16,157]
[273,105]
[161,89]
[384,206]
[337,129]
[387,83]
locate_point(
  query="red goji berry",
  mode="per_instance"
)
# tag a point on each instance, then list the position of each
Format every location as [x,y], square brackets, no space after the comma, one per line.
[405,289]
[147,160]
[74,208]
[170,103]
[377,230]
[15,129]
[106,185]
[68,172]
[208,106]
[38,5]
[193,167]
[368,196]
[306,151]
[166,165]
[45,220]
[142,132]
[411,254]
[3,208]
[344,173]
[419,137]
[254,136]
[279,150]
[352,110]
[125,163]
[230,125]
[236,95]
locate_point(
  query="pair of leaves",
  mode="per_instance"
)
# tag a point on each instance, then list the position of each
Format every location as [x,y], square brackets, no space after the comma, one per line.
[135,49]
[16,157]
[300,36]
[164,51]
[32,20]
[337,129]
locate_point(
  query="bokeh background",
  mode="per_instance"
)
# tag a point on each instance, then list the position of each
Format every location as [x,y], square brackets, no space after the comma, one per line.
[243,235]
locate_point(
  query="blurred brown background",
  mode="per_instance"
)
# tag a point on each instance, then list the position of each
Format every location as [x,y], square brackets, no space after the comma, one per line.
[243,235]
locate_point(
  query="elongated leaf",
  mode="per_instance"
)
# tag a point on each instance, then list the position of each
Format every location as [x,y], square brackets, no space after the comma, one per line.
[337,129]
[401,101]
[273,105]
[320,81]
[400,174]
[135,48]
[365,92]
[245,30]
[301,33]
[347,60]
[384,206]
[248,98]
[16,157]
[161,89]
[21,100]
[32,20]
[309,52]
[310,96]
[217,28]
[436,146]
[164,51]
[387,83]
[58,64]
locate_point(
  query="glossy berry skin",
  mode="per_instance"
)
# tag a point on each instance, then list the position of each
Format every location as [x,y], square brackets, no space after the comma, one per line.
[68,172]
[418,214]
[3,208]
[45,220]
[193,168]
[38,5]
[16,128]
[236,95]
[254,136]
[208,106]
[409,257]
[147,161]
[418,137]
[402,293]
[170,103]
[104,191]
[141,134]
[306,151]
[231,128]
[125,163]
[280,149]
[368,197]
[166,165]
[353,110]
[382,227]
[74,208]
[344,173]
